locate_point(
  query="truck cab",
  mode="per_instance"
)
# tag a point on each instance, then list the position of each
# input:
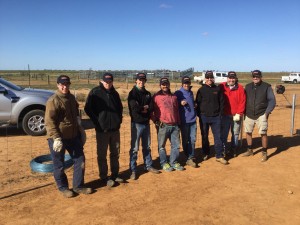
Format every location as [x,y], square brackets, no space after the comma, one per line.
[291,78]
[220,76]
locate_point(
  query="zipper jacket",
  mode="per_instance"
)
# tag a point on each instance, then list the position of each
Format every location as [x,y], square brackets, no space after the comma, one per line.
[104,107]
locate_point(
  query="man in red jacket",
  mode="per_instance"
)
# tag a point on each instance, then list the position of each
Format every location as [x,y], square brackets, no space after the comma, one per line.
[234,107]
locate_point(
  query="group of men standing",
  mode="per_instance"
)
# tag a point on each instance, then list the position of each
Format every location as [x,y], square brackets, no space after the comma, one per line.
[220,107]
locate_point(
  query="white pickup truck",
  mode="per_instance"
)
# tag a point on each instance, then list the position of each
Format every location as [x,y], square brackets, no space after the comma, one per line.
[219,77]
[292,78]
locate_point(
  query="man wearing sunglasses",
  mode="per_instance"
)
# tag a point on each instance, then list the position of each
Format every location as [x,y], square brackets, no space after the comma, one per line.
[259,105]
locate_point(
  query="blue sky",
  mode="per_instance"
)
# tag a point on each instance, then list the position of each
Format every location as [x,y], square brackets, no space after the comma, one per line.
[150,34]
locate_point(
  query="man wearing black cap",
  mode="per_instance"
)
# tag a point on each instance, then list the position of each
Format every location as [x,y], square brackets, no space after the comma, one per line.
[234,107]
[259,105]
[167,121]
[64,132]
[140,107]
[188,117]
[210,103]
[104,107]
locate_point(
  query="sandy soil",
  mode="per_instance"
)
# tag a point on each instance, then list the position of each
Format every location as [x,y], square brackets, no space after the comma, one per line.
[244,192]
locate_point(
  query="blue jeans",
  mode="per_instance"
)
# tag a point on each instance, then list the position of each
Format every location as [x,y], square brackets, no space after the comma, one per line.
[172,133]
[234,126]
[109,139]
[215,123]
[188,134]
[75,149]
[140,132]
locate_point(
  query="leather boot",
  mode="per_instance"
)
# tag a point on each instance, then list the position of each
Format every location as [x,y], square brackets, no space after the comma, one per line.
[249,152]
[264,156]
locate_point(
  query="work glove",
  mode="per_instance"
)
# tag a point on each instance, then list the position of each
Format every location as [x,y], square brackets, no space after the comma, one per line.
[82,134]
[57,145]
[236,117]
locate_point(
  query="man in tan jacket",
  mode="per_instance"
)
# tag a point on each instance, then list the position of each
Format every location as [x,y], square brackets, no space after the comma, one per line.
[65,133]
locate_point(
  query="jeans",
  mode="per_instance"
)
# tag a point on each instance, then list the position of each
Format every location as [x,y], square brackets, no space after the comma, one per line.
[140,132]
[234,126]
[188,134]
[109,139]
[215,123]
[172,133]
[75,149]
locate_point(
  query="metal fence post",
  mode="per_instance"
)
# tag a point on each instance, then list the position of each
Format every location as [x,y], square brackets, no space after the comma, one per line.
[293,114]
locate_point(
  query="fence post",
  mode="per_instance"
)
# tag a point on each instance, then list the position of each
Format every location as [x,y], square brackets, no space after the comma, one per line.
[293,114]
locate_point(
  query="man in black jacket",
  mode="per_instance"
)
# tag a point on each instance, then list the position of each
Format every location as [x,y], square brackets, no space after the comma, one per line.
[104,107]
[259,105]
[209,100]
[140,107]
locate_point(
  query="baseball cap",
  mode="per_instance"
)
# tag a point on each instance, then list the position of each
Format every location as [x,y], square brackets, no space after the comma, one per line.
[141,76]
[63,79]
[108,77]
[164,80]
[232,74]
[209,74]
[186,80]
[256,73]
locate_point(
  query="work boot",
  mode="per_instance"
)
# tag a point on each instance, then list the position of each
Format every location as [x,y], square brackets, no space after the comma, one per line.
[249,152]
[83,190]
[264,156]
[222,160]
[133,176]
[119,180]
[110,183]
[190,162]
[67,193]
[152,170]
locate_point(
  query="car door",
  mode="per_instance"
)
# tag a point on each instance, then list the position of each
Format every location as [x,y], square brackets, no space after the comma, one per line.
[5,105]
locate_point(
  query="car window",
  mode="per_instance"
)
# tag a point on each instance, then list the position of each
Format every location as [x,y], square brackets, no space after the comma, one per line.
[218,74]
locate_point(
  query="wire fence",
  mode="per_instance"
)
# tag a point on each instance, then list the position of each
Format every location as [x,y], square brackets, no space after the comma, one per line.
[18,149]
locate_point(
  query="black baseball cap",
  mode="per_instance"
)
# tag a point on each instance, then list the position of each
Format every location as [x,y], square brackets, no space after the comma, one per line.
[141,76]
[108,77]
[256,73]
[186,80]
[232,74]
[164,80]
[209,74]
[63,79]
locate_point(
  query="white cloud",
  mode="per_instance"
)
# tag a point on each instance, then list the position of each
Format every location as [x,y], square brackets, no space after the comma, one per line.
[165,6]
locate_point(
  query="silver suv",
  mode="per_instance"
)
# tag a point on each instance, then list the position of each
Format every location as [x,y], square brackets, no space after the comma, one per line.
[23,106]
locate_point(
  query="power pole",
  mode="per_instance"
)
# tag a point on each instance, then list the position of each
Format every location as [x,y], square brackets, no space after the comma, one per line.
[29,74]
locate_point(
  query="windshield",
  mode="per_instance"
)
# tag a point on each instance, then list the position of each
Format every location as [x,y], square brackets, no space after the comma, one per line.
[10,85]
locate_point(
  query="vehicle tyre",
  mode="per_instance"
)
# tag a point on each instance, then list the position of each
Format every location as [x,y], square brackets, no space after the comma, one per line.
[295,81]
[34,123]
[43,163]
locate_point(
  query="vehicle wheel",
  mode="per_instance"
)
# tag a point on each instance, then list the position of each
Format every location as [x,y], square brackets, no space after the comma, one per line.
[34,123]
[295,81]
